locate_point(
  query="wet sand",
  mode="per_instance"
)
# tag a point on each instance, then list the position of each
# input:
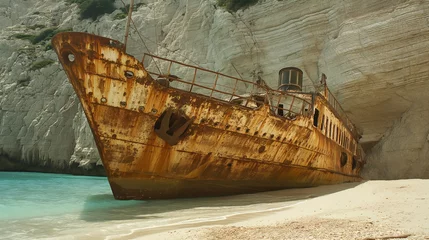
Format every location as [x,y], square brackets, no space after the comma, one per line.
[363,211]
[370,210]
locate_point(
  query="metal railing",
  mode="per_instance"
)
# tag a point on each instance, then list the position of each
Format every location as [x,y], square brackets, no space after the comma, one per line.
[226,88]
[339,110]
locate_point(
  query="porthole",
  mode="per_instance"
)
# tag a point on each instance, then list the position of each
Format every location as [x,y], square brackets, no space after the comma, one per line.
[129,74]
[316,117]
[354,163]
[343,159]
[71,57]
[68,56]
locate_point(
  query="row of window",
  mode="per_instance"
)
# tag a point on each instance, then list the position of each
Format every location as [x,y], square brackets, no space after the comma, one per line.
[332,131]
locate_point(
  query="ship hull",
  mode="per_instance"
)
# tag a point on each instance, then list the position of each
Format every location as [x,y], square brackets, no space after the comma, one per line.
[225,148]
[163,188]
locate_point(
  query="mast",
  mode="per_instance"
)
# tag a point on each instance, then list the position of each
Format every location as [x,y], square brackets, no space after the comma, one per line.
[127,28]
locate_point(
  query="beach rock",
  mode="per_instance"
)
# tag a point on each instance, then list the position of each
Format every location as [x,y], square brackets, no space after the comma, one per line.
[373,52]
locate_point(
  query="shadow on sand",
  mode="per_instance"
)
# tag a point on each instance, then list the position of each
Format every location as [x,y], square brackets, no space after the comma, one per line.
[100,208]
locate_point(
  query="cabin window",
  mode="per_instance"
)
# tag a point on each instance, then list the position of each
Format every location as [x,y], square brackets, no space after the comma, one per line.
[350,144]
[326,126]
[323,121]
[335,133]
[354,163]
[285,77]
[280,110]
[344,140]
[316,117]
[290,79]
[338,135]
[327,129]
[343,159]
[293,78]
[339,141]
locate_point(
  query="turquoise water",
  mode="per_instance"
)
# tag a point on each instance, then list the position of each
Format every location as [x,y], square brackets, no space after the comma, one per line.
[56,206]
[27,195]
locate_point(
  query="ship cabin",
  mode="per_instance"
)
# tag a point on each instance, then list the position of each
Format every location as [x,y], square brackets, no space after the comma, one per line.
[288,101]
[328,117]
[290,79]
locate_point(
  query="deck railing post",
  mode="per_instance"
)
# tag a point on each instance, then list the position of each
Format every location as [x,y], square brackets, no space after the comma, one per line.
[278,104]
[214,85]
[233,91]
[193,80]
[169,67]
[302,107]
[293,100]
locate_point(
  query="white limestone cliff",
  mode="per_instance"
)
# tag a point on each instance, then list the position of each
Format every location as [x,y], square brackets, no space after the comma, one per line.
[375,54]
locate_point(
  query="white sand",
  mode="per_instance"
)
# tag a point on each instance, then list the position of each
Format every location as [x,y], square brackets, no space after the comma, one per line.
[370,210]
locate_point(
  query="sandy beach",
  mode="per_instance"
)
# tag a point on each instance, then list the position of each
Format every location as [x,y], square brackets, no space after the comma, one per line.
[370,210]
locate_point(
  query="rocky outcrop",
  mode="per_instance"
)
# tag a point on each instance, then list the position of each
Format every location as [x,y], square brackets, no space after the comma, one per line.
[403,151]
[40,117]
[373,52]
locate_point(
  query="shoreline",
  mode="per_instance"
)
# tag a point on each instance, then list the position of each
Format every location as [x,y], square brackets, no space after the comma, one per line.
[397,209]
[86,210]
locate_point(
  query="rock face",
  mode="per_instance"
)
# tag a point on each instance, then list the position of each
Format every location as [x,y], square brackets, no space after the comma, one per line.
[374,53]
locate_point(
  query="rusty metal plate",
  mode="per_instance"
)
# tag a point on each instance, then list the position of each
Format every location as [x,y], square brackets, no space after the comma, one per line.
[222,148]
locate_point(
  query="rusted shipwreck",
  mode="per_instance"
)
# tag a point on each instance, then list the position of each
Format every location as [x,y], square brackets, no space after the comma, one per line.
[172,130]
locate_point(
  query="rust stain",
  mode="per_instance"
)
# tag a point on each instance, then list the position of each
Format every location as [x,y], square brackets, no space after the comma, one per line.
[211,143]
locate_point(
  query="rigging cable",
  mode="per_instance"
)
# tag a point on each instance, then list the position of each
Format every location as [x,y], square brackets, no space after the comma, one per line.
[144,43]
[159,45]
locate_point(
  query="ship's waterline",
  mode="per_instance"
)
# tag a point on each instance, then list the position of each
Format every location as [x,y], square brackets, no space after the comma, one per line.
[40,205]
